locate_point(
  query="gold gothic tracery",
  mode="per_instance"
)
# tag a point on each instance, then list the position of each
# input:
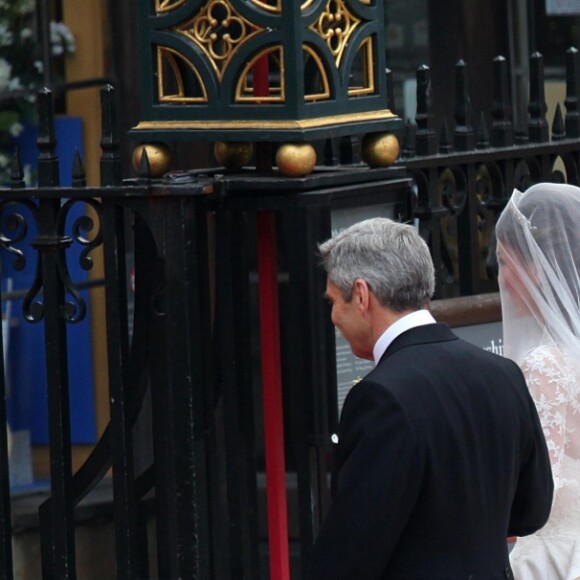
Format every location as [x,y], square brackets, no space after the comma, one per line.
[276,90]
[335,26]
[363,83]
[218,30]
[321,89]
[274,6]
[167,5]
[170,78]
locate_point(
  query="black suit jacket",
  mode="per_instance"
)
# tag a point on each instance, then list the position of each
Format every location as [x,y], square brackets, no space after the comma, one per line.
[440,457]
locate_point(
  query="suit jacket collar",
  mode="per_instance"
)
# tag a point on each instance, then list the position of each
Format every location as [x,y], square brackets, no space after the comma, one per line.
[425,334]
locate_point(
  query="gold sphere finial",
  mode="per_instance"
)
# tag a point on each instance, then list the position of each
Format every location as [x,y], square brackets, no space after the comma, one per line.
[380,149]
[234,154]
[296,159]
[159,156]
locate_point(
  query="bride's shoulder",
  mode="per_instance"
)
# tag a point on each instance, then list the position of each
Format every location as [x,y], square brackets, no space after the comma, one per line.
[550,363]
[547,354]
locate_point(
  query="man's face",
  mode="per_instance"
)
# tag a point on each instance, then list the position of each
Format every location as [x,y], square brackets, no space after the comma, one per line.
[349,319]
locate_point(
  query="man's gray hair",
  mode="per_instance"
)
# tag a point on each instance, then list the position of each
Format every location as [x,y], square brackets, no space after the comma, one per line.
[390,256]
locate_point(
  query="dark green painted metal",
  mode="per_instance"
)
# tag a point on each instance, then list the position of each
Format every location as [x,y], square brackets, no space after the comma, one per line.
[289,30]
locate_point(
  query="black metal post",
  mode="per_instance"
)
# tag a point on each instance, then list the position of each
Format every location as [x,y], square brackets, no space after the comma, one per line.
[464,137]
[126,525]
[6,571]
[57,515]
[307,369]
[180,325]
[426,138]
[538,125]
[233,375]
[502,134]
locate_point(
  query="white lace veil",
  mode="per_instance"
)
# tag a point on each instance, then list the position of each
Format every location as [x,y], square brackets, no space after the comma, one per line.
[538,249]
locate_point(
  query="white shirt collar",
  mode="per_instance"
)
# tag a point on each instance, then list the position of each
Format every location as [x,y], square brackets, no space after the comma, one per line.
[417,318]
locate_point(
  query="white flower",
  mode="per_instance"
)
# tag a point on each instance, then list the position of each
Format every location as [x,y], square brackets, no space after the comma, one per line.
[5,74]
[26,6]
[61,39]
[16,129]
[26,33]
[6,36]
[14,84]
[19,66]
[543,404]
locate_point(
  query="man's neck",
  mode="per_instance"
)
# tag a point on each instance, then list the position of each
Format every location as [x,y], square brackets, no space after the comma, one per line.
[400,324]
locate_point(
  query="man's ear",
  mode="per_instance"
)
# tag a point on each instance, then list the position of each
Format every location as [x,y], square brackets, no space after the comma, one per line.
[361,293]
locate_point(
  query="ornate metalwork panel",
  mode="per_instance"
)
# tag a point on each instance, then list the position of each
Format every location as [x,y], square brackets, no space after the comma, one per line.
[270,69]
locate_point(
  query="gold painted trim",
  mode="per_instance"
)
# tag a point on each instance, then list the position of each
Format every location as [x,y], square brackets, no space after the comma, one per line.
[241,85]
[335,26]
[277,9]
[171,55]
[369,88]
[261,124]
[218,46]
[168,5]
[326,92]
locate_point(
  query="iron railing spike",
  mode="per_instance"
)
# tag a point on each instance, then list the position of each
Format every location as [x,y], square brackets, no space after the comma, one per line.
[464,139]
[538,125]
[17,170]
[78,170]
[502,132]
[572,101]
[482,133]
[445,145]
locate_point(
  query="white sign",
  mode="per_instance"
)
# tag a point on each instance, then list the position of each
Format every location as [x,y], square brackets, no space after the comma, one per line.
[488,336]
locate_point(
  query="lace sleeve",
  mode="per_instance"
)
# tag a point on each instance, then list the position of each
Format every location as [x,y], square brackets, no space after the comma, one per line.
[549,375]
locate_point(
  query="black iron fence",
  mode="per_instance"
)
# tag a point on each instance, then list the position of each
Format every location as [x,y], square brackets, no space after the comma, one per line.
[466,171]
[189,344]
[169,301]
[187,442]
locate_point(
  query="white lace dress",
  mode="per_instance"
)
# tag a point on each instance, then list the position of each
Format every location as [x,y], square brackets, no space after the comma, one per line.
[553,553]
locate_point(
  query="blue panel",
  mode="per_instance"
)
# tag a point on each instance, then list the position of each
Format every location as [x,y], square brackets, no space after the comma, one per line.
[26,363]
[69,135]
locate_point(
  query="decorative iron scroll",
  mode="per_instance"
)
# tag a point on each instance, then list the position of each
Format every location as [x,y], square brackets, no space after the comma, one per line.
[15,230]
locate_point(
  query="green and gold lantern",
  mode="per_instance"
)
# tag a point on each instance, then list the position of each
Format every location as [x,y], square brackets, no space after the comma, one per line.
[250,71]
